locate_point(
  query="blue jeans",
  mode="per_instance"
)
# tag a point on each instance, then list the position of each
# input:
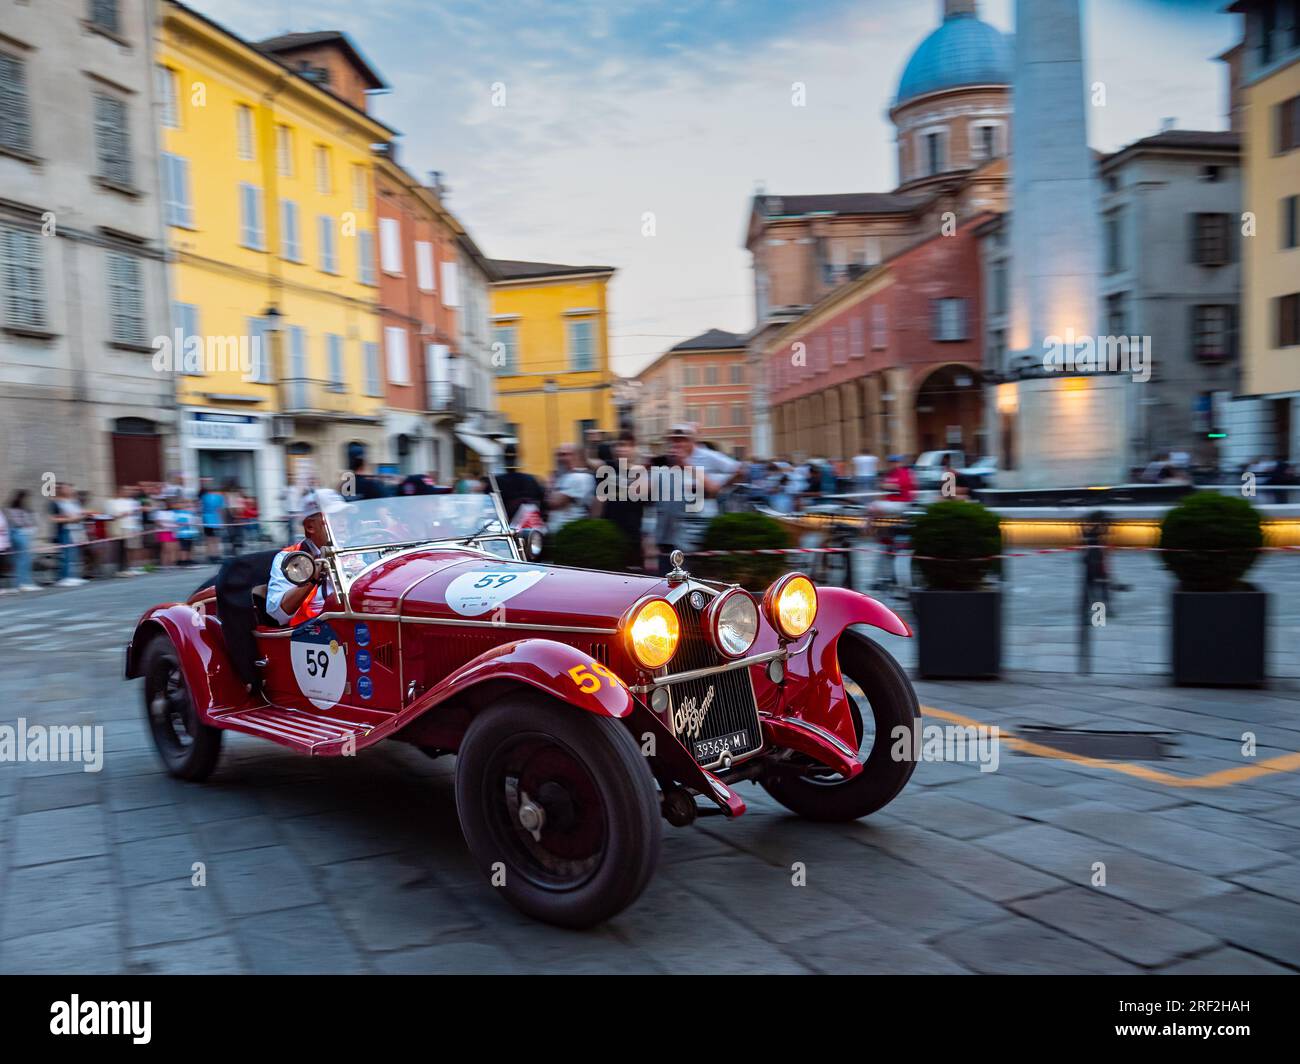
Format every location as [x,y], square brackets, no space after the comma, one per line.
[69,561]
[21,558]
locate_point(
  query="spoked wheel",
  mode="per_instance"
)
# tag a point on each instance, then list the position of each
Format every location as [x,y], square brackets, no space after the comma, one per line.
[881,701]
[559,809]
[187,747]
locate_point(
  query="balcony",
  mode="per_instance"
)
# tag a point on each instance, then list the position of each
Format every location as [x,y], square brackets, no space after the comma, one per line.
[447,399]
[308,399]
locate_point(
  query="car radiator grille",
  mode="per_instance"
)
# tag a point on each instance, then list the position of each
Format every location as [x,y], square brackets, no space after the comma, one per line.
[716,716]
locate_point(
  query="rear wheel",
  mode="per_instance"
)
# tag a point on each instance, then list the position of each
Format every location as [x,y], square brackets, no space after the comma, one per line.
[559,809]
[189,749]
[881,700]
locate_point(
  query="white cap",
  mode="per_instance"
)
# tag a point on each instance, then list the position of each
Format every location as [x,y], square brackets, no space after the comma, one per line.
[322,501]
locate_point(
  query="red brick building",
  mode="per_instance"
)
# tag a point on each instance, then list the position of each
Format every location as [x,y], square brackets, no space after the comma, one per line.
[888,363]
[415,257]
[703,380]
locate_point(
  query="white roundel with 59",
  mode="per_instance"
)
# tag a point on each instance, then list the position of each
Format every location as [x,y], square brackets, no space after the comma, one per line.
[320,663]
[479,592]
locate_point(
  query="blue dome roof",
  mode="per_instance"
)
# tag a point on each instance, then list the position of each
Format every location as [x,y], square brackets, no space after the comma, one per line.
[963,51]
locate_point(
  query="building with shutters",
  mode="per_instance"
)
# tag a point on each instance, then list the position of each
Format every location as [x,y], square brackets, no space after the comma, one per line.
[550,349]
[266,155]
[704,380]
[82,281]
[439,386]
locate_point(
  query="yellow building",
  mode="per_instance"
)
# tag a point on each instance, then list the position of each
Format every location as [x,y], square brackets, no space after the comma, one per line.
[1268,108]
[268,195]
[550,329]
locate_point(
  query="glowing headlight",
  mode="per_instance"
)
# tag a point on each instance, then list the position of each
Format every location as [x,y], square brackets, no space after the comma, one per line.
[732,622]
[791,605]
[653,632]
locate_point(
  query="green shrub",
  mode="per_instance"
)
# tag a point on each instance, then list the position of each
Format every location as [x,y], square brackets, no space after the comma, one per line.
[588,543]
[746,531]
[954,542]
[1210,540]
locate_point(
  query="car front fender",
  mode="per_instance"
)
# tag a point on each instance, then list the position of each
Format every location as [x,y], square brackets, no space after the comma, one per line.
[815,689]
[557,669]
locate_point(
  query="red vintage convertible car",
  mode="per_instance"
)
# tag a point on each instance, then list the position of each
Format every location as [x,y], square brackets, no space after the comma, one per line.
[584,707]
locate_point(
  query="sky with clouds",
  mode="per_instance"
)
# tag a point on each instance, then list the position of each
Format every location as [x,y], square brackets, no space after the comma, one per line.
[616,108]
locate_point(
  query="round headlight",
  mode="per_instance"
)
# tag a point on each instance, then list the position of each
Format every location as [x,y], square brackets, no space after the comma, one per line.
[791,605]
[653,633]
[732,622]
[299,567]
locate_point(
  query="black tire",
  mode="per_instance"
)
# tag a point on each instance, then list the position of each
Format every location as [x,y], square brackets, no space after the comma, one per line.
[892,703]
[599,841]
[188,748]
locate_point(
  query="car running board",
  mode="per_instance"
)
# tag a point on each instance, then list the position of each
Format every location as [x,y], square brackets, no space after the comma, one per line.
[308,733]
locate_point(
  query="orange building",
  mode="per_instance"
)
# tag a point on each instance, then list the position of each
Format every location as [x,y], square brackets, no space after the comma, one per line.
[703,380]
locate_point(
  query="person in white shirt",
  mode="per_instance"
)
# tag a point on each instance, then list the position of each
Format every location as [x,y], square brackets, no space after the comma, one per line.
[286,601]
[864,470]
[708,472]
[573,489]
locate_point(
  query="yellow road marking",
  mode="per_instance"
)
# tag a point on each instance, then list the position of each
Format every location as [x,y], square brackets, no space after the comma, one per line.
[1222,778]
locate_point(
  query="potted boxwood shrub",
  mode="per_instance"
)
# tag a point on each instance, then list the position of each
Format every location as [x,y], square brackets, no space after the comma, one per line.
[588,543]
[1218,623]
[741,532]
[958,616]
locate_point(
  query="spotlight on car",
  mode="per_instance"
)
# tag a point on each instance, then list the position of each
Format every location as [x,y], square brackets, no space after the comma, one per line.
[299,567]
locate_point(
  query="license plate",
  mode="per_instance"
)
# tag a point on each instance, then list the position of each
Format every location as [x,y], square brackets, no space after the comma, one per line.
[709,750]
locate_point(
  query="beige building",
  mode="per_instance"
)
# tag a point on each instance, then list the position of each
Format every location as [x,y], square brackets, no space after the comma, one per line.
[81,249]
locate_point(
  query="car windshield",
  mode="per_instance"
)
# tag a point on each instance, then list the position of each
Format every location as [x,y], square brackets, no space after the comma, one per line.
[368,523]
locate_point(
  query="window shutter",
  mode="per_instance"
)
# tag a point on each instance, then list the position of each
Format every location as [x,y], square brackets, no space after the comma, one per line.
[424,265]
[15,120]
[335,347]
[112,140]
[450,285]
[125,301]
[24,286]
[395,342]
[390,247]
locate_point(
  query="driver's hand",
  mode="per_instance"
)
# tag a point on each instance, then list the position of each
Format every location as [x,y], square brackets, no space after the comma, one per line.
[319,573]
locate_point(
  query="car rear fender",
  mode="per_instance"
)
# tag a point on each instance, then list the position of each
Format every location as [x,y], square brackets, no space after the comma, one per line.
[196,635]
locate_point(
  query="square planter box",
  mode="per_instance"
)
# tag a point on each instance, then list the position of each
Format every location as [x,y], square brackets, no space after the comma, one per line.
[1219,637]
[959,634]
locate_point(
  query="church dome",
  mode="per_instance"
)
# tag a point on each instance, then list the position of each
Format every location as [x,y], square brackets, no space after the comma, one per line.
[962,51]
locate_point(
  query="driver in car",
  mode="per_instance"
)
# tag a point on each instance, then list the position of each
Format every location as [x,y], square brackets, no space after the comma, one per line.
[291,604]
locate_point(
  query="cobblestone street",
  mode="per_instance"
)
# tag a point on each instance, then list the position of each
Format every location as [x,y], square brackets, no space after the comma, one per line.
[358,865]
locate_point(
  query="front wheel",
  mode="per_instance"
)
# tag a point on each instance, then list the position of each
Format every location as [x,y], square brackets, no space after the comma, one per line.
[881,700]
[559,809]
[187,747]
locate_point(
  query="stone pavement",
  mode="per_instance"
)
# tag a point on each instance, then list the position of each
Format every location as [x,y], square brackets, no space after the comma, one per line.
[357,865]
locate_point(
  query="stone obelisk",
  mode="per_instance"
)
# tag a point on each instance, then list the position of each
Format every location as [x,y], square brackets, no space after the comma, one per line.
[1070,429]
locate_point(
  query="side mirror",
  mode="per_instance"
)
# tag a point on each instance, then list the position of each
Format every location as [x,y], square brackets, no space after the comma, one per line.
[299,567]
[530,542]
